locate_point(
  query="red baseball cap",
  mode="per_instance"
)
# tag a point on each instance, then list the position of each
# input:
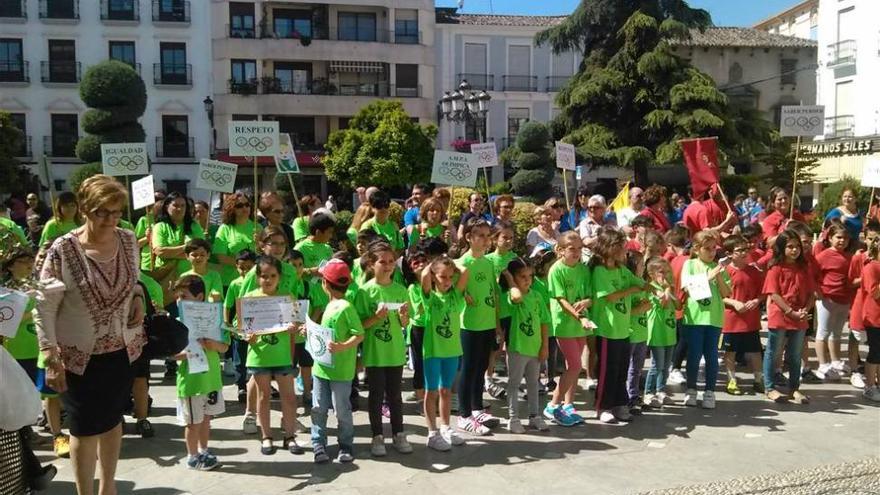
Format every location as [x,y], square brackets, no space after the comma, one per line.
[336,272]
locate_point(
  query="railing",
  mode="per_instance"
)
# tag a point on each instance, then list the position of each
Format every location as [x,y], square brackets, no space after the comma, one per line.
[407,38]
[407,92]
[172,74]
[13,9]
[126,14]
[520,83]
[840,126]
[179,12]
[59,9]
[15,72]
[484,82]
[60,146]
[556,83]
[317,33]
[175,148]
[249,87]
[842,53]
[243,33]
[274,85]
[24,149]
[59,71]
[323,33]
[374,89]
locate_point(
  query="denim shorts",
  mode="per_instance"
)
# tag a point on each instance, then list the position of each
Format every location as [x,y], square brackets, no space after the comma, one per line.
[440,372]
[273,371]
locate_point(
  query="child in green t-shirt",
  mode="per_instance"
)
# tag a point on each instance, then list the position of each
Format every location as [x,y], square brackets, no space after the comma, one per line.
[332,385]
[431,212]
[247,393]
[661,330]
[197,253]
[270,357]
[638,325]
[199,395]
[381,223]
[316,248]
[502,237]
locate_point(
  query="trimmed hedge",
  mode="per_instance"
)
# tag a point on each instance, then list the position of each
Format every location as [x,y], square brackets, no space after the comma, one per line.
[112,83]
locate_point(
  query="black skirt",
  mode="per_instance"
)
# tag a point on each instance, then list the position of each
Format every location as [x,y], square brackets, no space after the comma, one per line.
[95,400]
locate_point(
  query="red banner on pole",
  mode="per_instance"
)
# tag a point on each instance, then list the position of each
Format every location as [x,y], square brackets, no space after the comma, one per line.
[701,159]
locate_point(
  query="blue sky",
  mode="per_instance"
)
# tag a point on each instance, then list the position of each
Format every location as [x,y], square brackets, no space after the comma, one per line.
[724,12]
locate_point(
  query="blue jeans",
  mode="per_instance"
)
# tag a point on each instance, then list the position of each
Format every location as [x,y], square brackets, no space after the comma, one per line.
[323,393]
[702,342]
[794,344]
[661,360]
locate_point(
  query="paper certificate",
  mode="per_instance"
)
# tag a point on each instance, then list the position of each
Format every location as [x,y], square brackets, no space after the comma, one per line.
[697,286]
[12,307]
[263,315]
[317,338]
[196,358]
[204,320]
[300,311]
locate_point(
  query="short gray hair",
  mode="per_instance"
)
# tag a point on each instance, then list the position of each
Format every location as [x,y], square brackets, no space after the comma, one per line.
[597,198]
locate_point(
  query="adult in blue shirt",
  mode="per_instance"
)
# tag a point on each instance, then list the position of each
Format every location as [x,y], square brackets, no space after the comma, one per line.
[411,218]
[848,213]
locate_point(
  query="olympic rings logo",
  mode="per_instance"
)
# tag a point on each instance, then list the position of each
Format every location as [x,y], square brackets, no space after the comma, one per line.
[6,313]
[254,143]
[803,122]
[485,156]
[219,178]
[456,173]
[131,163]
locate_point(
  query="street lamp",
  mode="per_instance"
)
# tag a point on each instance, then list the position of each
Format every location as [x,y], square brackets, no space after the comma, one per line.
[463,105]
[209,109]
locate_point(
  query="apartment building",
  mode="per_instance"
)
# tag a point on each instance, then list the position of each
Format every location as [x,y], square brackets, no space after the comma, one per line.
[47,45]
[801,21]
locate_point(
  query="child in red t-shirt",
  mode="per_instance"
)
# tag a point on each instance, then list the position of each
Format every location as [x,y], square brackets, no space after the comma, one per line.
[871,318]
[836,290]
[790,292]
[755,237]
[742,314]
[856,314]
[677,240]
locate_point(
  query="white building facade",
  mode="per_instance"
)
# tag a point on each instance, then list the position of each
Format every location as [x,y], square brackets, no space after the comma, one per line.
[801,21]
[47,45]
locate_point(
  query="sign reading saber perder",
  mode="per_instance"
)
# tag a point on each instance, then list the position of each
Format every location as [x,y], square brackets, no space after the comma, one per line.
[216,175]
[802,120]
[253,138]
[453,169]
[119,159]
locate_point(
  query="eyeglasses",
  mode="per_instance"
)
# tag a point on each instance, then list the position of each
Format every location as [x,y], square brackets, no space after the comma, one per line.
[104,213]
[242,205]
[595,207]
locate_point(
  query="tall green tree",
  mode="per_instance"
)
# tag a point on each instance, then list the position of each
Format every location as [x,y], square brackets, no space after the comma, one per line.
[381,147]
[633,98]
[14,177]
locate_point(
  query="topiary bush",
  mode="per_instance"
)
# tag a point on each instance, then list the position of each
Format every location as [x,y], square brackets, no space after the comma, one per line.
[535,169]
[535,183]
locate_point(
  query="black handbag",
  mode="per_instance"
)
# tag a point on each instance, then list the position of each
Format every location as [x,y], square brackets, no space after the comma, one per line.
[165,335]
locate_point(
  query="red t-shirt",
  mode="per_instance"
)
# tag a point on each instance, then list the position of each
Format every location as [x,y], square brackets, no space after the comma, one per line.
[669,255]
[661,223]
[856,315]
[745,284]
[818,247]
[755,256]
[702,215]
[796,286]
[834,281]
[870,281]
[776,222]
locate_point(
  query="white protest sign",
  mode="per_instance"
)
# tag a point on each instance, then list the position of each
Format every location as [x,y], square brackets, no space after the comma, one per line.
[12,307]
[453,169]
[871,173]
[143,192]
[486,154]
[118,159]
[217,176]
[285,160]
[317,338]
[802,120]
[253,138]
[565,157]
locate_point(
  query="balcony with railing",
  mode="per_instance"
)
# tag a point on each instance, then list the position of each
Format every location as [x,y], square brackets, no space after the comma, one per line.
[175,12]
[15,72]
[556,83]
[247,87]
[175,148]
[841,126]
[60,146]
[842,53]
[60,71]
[485,82]
[59,10]
[407,91]
[172,74]
[13,11]
[240,32]
[120,10]
[24,148]
[520,83]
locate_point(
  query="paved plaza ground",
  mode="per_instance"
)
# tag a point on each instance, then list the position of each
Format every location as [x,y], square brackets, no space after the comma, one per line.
[835,439]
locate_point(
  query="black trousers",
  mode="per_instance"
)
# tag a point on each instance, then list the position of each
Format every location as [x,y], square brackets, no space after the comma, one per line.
[416,339]
[613,367]
[681,348]
[385,382]
[476,347]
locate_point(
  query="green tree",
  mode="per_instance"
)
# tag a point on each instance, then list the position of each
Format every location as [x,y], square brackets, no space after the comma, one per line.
[535,170]
[14,177]
[382,147]
[633,98]
[779,162]
[117,97]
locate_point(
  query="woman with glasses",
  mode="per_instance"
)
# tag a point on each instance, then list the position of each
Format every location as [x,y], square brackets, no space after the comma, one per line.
[272,209]
[237,233]
[174,228]
[589,226]
[504,205]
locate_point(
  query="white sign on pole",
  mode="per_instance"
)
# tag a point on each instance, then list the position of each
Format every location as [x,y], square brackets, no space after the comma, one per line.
[13,304]
[216,175]
[253,138]
[285,160]
[453,169]
[486,154]
[119,159]
[565,157]
[802,120]
[143,192]
[871,173]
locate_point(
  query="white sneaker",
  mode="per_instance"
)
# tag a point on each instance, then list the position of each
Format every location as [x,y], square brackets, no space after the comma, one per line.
[401,444]
[872,394]
[515,426]
[841,367]
[437,442]
[827,373]
[708,399]
[676,377]
[249,424]
[538,423]
[608,418]
[857,380]
[690,398]
[665,399]
[378,446]
[590,384]
[649,400]
[472,426]
[451,436]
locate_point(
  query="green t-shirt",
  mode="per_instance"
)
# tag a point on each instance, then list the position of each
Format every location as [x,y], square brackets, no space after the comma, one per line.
[154,290]
[341,317]
[443,326]
[430,232]
[539,285]
[314,252]
[612,319]
[388,230]
[231,240]
[708,311]
[416,305]
[24,345]
[191,385]
[140,230]
[213,284]
[167,235]
[271,350]
[661,324]
[55,229]
[288,285]
[526,319]
[9,224]
[383,342]
[300,228]
[482,286]
[500,261]
[571,283]
[125,224]
[352,234]
[638,323]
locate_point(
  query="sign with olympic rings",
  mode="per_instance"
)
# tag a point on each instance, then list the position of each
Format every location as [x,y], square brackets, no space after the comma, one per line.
[453,169]
[802,120]
[486,154]
[120,159]
[12,308]
[217,176]
[253,138]
[143,192]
